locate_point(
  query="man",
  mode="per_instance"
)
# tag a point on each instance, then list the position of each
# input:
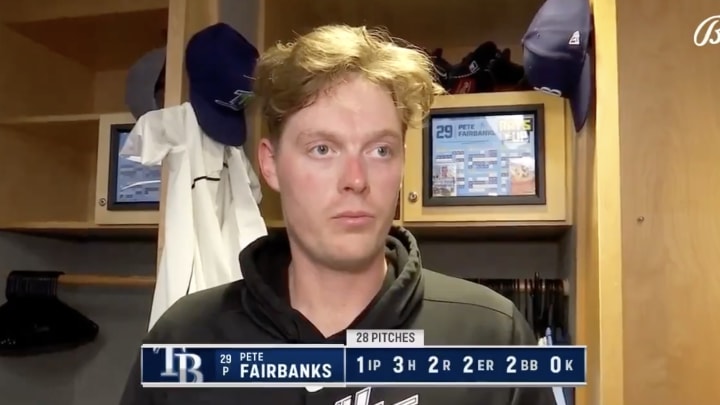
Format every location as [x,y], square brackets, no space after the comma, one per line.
[337,103]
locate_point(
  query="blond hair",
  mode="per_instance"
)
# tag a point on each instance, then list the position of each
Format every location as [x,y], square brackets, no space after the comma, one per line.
[289,76]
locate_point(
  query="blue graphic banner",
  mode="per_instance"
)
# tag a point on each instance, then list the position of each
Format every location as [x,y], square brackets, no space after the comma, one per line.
[246,365]
[338,366]
[515,366]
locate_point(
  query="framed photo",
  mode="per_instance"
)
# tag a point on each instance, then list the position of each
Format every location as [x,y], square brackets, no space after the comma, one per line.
[479,156]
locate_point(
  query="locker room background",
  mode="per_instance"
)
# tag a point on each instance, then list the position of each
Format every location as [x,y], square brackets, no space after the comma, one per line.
[653,234]
[96,373]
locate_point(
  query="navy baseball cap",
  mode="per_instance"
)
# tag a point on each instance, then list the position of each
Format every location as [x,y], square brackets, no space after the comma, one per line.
[555,54]
[220,64]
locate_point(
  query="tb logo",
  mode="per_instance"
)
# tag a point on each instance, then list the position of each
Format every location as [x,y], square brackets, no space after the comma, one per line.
[547,90]
[237,102]
[188,365]
[707,32]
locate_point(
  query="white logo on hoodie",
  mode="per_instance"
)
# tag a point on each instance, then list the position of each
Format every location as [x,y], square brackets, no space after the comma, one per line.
[362,397]
[575,38]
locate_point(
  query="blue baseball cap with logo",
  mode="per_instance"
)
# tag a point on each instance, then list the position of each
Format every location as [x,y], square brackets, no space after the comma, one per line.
[220,64]
[555,54]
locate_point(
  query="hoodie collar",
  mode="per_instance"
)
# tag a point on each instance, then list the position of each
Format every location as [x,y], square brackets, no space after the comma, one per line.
[264,265]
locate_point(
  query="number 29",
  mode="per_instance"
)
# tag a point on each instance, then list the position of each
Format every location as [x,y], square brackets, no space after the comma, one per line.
[443,131]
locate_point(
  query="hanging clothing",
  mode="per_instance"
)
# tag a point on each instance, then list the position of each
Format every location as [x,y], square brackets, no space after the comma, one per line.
[211,209]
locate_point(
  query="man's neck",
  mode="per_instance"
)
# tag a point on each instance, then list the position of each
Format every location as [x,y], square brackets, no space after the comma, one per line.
[332,299]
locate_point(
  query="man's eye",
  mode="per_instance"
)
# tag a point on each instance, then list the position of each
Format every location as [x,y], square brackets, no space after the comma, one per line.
[383,151]
[321,149]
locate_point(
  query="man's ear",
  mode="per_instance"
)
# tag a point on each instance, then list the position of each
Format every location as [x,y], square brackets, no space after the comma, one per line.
[266,160]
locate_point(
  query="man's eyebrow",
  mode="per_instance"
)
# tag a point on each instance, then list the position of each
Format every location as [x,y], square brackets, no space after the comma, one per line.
[387,133]
[311,134]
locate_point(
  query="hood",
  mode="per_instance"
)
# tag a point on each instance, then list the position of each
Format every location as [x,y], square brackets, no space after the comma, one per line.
[264,264]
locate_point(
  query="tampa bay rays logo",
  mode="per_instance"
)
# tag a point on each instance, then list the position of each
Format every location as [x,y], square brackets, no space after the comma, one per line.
[362,397]
[183,366]
[237,102]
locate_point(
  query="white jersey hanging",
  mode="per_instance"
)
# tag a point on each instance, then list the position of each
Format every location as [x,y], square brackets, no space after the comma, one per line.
[211,208]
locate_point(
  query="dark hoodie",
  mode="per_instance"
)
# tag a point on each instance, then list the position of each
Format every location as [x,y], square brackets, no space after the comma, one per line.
[256,311]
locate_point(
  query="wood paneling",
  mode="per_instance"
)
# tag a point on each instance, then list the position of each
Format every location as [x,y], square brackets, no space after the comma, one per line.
[648,235]
[29,87]
[669,98]
[599,239]
[66,63]
[100,42]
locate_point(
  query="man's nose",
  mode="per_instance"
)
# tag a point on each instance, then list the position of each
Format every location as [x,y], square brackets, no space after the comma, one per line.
[354,175]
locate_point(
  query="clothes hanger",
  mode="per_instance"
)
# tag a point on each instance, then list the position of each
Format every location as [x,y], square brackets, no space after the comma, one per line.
[561,310]
[537,306]
[35,321]
[548,293]
[547,304]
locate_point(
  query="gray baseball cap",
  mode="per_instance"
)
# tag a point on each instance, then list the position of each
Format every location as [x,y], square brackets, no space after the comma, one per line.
[145,83]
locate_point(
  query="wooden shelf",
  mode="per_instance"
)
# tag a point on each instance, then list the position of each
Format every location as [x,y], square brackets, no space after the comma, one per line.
[61,125]
[53,162]
[49,119]
[70,225]
[81,229]
[494,231]
[427,231]
[14,11]
[76,63]
[275,224]
[66,68]
[49,225]
[99,42]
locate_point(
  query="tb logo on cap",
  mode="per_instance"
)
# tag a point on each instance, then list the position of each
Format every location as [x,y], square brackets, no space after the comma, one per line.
[547,90]
[237,102]
[707,33]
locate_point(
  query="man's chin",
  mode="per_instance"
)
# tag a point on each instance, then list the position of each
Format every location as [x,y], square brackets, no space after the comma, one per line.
[354,254]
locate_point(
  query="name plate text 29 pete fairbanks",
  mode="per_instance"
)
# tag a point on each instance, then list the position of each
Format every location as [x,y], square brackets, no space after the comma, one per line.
[370,358]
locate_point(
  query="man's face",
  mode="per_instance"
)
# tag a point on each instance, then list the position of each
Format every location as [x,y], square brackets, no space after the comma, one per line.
[338,167]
